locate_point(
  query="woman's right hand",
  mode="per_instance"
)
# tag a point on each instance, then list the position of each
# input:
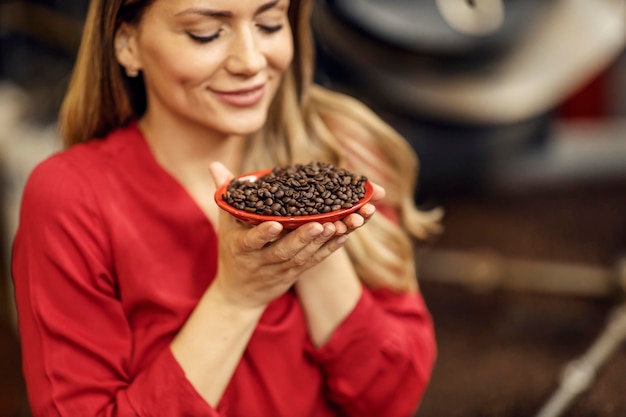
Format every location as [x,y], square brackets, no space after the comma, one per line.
[259,263]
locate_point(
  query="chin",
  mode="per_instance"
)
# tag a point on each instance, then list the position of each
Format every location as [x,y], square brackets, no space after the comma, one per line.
[246,126]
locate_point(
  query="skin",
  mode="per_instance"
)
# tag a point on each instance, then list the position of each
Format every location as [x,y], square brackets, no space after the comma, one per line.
[195,132]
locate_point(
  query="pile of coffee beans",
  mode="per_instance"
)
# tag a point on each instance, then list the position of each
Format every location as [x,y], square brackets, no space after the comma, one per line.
[297,190]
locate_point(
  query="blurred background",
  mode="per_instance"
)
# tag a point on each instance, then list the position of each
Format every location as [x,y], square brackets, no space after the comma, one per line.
[517,110]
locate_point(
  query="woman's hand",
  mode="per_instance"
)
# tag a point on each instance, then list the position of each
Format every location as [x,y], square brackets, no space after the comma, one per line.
[258,264]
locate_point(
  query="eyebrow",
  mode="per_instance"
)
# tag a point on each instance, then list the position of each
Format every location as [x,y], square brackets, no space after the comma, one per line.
[224,13]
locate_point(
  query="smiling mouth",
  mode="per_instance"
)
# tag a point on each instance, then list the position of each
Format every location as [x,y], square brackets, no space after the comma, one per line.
[244,97]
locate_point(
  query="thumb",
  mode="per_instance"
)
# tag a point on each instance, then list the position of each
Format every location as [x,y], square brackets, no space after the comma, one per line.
[379,192]
[219,173]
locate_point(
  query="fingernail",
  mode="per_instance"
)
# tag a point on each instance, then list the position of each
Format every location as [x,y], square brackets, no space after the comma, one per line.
[315,231]
[341,239]
[275,229]
[328,232]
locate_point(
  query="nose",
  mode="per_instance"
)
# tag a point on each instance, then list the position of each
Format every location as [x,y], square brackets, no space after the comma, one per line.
[245,57]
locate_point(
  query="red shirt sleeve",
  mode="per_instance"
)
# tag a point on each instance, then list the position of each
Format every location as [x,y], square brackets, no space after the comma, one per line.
[379,360]
[76,338]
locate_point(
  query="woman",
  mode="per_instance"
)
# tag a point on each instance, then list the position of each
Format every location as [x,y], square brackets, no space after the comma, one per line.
[137,297]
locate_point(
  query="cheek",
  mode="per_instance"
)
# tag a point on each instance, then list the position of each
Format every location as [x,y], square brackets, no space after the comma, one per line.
[178,62]
[282,52]
[288,56]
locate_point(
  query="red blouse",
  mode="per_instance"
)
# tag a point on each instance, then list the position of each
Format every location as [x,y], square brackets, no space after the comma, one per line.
[110,258]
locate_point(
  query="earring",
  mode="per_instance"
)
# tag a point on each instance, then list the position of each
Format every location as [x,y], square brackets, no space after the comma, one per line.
[132,72]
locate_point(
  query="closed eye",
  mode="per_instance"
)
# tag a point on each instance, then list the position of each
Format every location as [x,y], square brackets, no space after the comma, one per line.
[270,29]
[204,39]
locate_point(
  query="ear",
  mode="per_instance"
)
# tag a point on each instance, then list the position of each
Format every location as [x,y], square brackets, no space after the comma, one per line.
[126,49]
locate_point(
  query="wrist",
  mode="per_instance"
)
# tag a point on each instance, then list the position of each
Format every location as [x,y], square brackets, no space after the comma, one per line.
[328,293]
[230,306]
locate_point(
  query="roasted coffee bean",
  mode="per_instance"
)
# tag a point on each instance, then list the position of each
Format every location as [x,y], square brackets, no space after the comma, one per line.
[297,190]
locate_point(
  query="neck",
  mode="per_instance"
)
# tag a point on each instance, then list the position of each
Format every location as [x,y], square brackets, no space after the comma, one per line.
[179,146]
[185,151]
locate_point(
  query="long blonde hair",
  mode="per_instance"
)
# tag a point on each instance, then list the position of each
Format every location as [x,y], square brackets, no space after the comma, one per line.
[306,122]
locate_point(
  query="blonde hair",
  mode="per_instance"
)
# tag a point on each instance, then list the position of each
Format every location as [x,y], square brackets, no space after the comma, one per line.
[306,122]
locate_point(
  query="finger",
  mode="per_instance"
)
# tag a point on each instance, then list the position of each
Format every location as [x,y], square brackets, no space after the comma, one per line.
[367,211]
[340,228]
[330,247]
[307,253]
[219,173]
[354,221]
[255,238]
[379,192]
[286,248]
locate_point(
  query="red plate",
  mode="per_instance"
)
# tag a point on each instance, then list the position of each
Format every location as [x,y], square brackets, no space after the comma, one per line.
[288,222]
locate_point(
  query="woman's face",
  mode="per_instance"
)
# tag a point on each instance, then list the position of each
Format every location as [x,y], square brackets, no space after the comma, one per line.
[216,63]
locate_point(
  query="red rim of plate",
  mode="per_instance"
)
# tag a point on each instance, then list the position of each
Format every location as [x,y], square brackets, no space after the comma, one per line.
[288,222]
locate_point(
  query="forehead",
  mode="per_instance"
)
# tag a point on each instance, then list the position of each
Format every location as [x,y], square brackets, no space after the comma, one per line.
[230,6]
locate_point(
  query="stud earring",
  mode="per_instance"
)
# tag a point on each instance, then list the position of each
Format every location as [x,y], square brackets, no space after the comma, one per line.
[132,72]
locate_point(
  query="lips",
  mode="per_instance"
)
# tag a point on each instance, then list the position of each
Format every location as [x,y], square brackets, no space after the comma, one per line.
[243,97]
